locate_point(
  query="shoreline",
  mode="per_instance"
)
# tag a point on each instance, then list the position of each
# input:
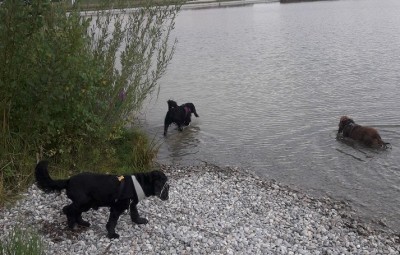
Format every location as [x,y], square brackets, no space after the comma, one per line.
[196,4]
[203,4]
[211,210]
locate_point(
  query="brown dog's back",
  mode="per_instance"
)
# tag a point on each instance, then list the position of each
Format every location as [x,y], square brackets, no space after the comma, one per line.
[367,135]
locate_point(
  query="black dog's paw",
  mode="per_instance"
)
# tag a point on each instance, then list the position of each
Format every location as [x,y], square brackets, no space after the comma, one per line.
[71,222]
[141,221]
[113,235]
[83,223]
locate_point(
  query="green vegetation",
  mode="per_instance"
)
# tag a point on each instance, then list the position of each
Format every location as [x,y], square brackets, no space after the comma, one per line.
[71,85]
[22,242]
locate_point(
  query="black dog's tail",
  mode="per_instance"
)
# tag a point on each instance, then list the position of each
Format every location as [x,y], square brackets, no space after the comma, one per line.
[44,180]
[172,104]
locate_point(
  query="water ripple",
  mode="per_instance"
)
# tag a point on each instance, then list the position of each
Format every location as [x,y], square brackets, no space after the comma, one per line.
[271,86]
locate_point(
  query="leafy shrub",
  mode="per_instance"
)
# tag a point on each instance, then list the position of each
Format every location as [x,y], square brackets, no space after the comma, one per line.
[72,82]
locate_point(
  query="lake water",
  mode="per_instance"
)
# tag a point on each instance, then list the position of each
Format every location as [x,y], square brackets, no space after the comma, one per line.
[270,82]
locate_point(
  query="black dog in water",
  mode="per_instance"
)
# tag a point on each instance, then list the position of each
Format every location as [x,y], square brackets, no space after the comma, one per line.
[90,190]
[180,115]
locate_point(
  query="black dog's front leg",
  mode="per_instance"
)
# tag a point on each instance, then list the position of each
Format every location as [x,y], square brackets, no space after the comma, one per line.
[167,122]
[135,215]
[187,121]
[112,222]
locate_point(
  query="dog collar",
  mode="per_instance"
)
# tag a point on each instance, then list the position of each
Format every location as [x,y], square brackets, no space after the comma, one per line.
[138,188]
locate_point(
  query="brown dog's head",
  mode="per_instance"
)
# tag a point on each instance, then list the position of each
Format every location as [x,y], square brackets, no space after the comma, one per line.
[344,120]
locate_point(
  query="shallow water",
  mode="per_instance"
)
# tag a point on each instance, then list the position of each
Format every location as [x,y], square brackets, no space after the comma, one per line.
[270,83]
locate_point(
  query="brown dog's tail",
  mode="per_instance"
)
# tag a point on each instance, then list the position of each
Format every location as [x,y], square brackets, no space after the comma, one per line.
[380,143]
[44,181]
[384,145]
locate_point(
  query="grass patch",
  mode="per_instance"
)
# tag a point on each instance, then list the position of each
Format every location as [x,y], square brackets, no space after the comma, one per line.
[22,242]
[15,169]
[135,152]
[128,153]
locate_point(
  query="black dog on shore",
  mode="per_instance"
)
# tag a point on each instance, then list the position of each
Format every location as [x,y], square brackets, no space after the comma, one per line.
[90,190]
[180,115]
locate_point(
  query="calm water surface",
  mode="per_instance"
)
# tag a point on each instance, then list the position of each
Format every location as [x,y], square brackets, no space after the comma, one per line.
[270,83]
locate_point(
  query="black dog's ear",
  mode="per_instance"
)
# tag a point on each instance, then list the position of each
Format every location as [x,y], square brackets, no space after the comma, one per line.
[128,189]
[193,109]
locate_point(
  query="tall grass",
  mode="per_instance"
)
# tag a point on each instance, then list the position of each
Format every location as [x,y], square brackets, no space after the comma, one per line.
[22,242]
[135,151]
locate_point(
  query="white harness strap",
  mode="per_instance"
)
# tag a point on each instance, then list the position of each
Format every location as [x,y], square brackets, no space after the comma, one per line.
[138,188]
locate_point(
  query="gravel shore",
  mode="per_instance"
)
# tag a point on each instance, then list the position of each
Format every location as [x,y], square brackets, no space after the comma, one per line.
[211,210]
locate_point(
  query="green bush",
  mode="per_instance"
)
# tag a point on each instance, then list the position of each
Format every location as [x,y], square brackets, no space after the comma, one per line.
[72,83]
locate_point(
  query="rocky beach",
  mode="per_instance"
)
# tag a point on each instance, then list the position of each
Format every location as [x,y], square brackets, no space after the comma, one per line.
[211,210]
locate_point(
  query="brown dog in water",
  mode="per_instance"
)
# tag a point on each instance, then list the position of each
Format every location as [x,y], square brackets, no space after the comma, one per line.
[367,135]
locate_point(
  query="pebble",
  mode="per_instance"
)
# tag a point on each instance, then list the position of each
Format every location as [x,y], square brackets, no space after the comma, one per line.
[211,210]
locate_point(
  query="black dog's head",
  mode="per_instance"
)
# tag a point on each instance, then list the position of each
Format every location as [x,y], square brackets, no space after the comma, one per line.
[192,109]
[160,184]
